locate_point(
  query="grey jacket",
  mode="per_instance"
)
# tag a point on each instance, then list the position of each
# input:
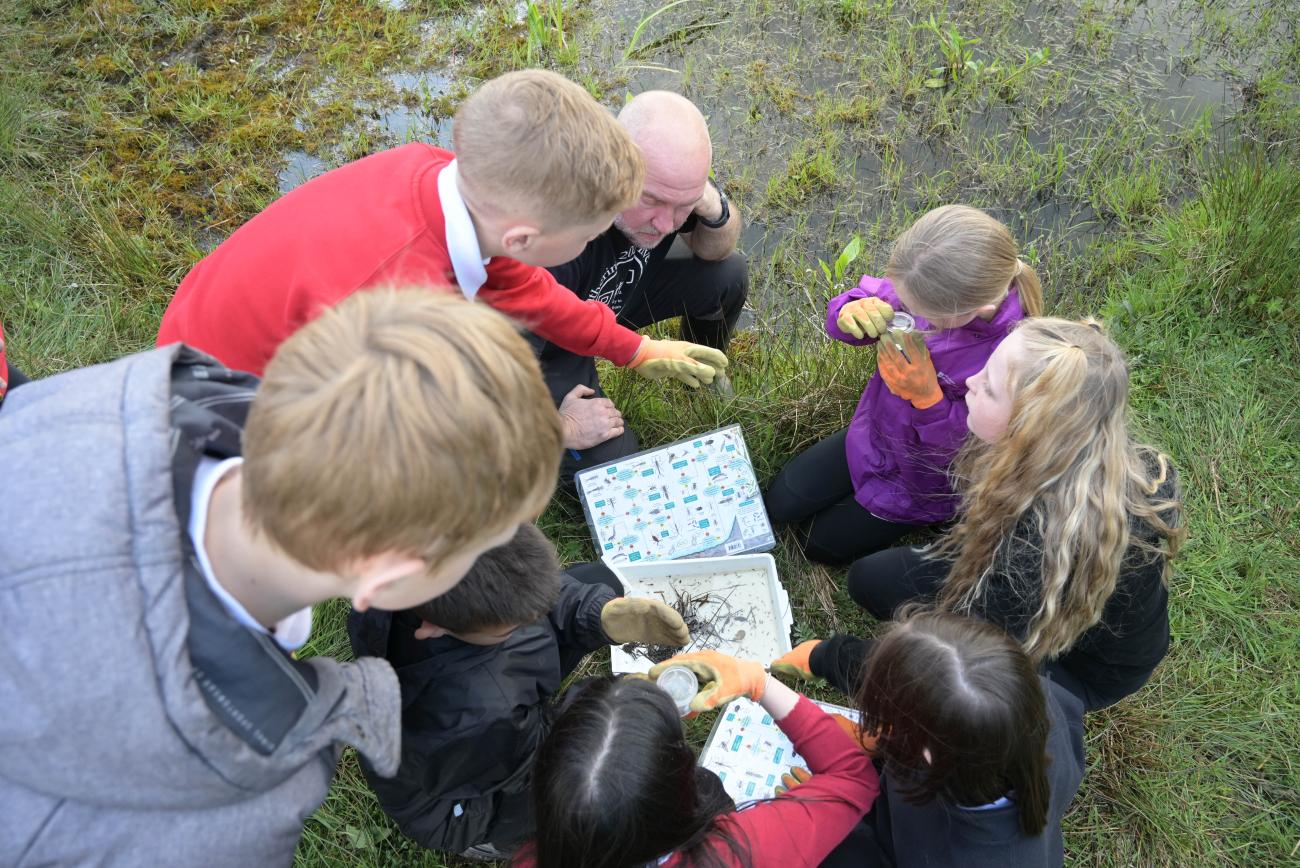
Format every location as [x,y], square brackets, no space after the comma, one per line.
[139,723]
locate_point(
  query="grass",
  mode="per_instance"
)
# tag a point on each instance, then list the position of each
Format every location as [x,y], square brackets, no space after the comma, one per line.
[134,136]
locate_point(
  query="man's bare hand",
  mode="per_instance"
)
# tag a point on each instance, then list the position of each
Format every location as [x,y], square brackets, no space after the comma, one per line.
[587,420]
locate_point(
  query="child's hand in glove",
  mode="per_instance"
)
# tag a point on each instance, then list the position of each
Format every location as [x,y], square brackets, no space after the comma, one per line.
[722,678]
[793,778]
[649,622]
[692,364]
[866,739]
[911,377]
[865,317]
[796,663]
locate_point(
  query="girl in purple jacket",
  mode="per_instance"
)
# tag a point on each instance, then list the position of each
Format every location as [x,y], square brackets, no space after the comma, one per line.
[957,272]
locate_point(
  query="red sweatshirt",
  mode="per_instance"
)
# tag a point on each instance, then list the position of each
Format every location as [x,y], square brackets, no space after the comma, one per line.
[374,222]
[800,827]
[4,364]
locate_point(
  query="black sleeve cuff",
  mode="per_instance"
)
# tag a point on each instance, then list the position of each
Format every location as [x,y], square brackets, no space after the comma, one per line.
[839,660]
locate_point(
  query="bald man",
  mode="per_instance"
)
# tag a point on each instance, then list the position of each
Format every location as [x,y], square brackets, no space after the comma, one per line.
[628,269]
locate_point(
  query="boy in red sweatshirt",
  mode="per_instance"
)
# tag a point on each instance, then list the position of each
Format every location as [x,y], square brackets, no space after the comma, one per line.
[541,169]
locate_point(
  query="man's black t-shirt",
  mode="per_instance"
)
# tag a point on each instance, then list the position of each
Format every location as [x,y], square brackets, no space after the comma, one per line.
[611,266]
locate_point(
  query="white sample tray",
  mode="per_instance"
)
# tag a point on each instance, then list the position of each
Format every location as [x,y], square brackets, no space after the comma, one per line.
[748,610]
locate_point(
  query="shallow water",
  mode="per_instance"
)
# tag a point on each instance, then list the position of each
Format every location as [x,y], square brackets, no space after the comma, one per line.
[1130,89]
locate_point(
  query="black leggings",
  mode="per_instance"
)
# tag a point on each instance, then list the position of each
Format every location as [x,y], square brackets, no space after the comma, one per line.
[883,581]
[814,492]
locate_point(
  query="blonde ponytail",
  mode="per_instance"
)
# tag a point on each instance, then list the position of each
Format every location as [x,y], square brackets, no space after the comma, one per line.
[956,259]
[1030,289]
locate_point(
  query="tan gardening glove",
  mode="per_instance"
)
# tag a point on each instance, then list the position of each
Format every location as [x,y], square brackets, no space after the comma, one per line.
[689,363]
[865,317]
[648,622]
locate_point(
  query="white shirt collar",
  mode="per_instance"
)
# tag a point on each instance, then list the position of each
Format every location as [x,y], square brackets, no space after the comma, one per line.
[291,633]
[462,240]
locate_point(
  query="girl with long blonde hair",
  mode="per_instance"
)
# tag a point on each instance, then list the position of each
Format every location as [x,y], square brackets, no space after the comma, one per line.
[957,272]
[1066,526]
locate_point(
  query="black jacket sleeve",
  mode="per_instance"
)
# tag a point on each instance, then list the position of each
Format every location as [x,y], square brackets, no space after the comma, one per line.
[575,617]
[839,660]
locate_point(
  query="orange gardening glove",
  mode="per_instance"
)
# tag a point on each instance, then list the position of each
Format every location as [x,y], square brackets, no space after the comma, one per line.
[851,729]
[911,378]
[796,663]
[865,317]
[792,779]
[722,677]
[689,363]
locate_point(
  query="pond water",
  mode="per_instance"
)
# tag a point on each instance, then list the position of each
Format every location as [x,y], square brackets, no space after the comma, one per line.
[823,128]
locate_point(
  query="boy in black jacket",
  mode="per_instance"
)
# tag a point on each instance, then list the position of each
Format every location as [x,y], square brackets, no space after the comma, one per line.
[478,666]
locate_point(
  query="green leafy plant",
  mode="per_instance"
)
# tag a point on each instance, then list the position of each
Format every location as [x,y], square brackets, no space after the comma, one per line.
[957,55]
[545,23]
[834,271]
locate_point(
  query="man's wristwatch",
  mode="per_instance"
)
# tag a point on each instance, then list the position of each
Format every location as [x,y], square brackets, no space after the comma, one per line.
[723,217]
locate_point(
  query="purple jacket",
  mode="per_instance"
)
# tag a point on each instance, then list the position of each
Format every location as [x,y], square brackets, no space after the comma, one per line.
[899,455]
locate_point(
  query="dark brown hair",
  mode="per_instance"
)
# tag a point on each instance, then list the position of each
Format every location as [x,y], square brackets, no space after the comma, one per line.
[965,691]
[615,784]
[510,585]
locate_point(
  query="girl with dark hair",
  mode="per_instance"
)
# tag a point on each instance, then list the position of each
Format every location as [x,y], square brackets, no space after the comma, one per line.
[1066,526]
[980,756]
[616,786]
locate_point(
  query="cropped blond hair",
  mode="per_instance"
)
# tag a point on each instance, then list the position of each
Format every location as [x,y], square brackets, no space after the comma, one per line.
[409,421]
[1068,464]
[535,142]
[957,259]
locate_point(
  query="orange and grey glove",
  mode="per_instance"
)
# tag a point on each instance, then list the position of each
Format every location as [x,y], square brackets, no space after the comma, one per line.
[865,317]
[866,739]
[793,778]
[722,677]
[637,619]
[912,376]
[797,663]
[692,364]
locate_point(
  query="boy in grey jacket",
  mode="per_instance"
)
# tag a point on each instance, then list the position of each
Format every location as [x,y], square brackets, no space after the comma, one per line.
[153,582]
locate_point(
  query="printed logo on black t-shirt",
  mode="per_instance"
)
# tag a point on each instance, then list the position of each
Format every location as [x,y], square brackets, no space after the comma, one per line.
[617,280]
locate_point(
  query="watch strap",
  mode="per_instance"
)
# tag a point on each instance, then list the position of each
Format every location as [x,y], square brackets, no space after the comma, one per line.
[723,217]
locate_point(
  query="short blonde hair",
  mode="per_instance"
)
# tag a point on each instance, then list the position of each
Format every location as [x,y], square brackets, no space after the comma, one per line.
[409,421]
[535,142]
[957,259]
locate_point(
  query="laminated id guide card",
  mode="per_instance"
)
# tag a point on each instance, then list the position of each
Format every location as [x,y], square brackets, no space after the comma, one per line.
[749,752]
[694,498]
